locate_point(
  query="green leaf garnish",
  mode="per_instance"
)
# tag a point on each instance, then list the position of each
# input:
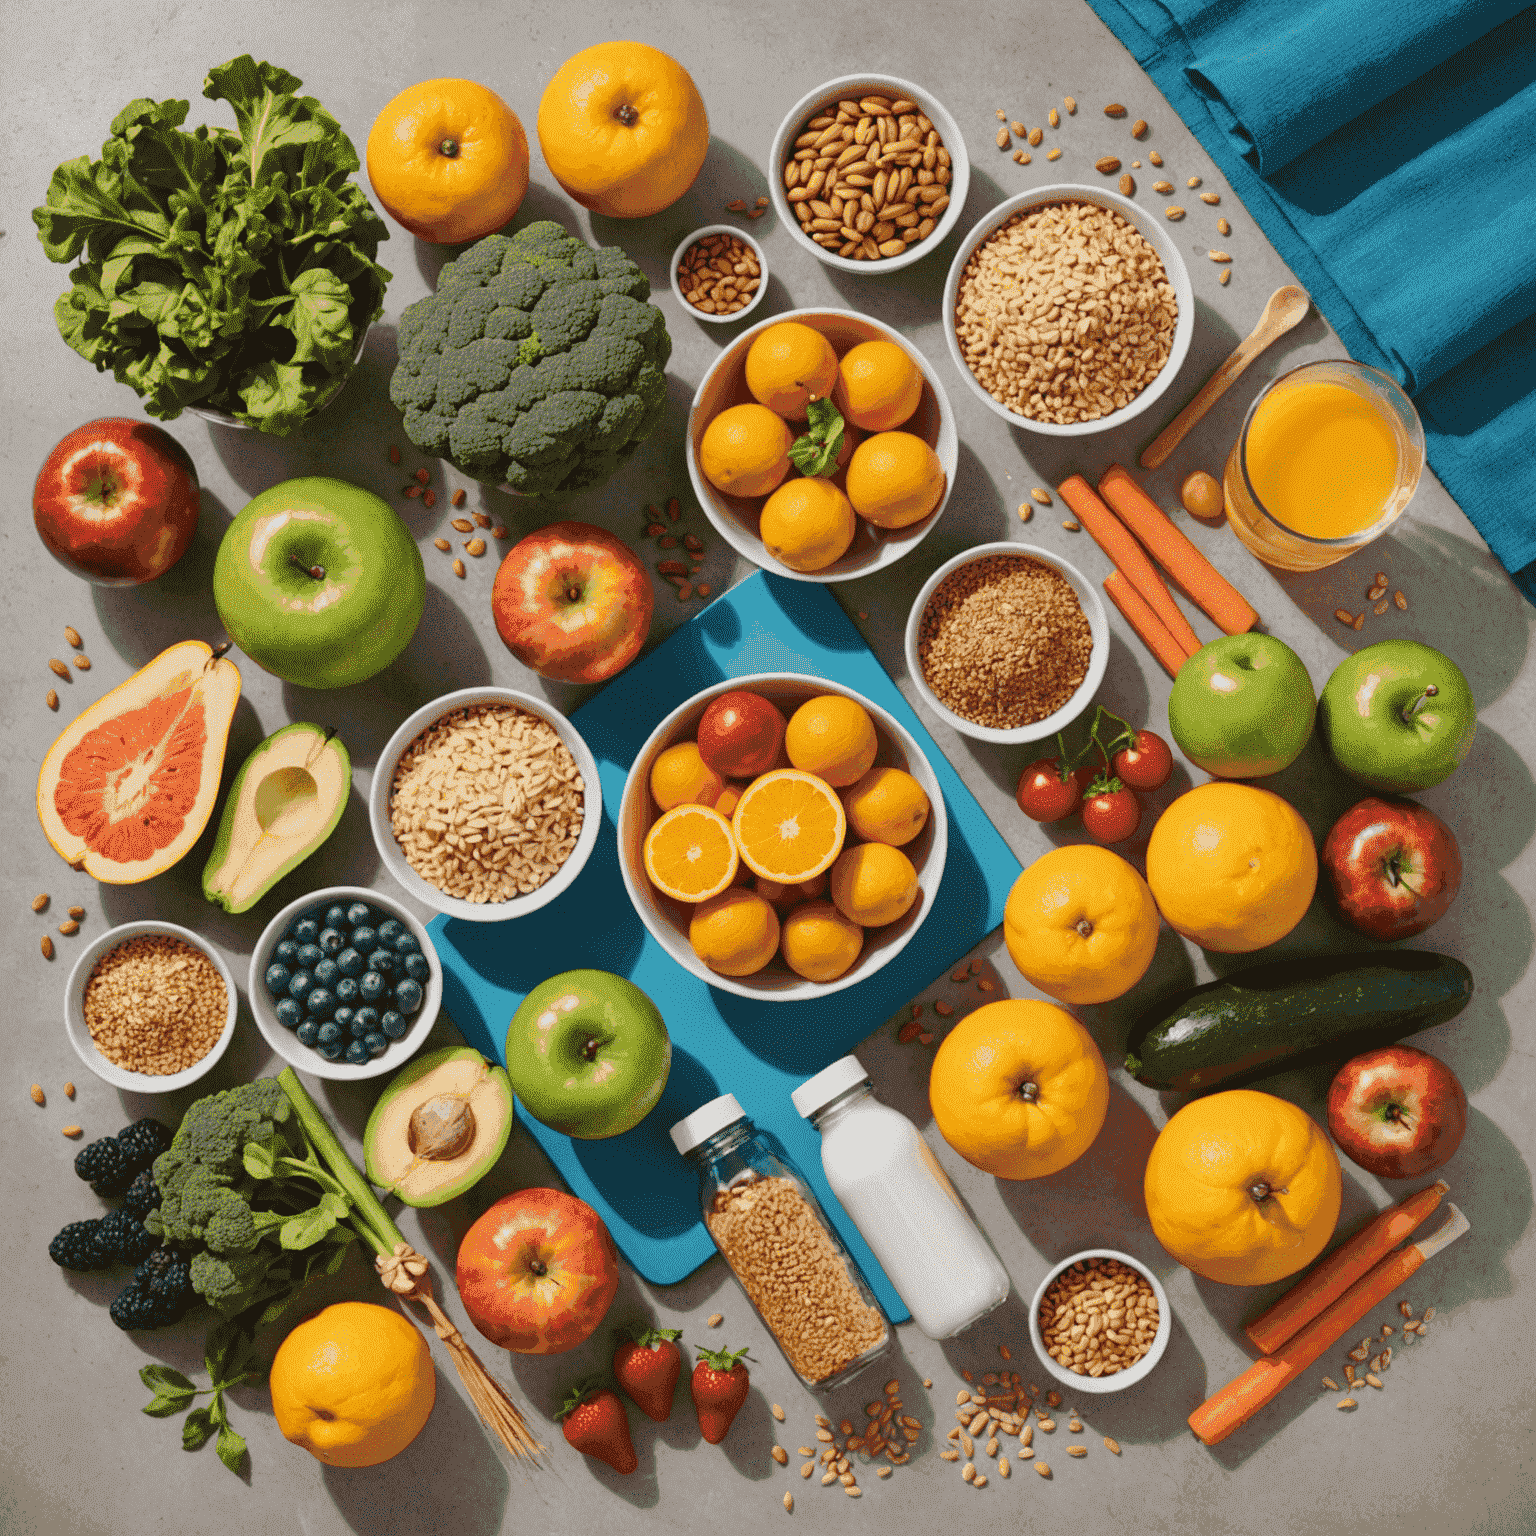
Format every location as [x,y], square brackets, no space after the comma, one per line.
[815,451]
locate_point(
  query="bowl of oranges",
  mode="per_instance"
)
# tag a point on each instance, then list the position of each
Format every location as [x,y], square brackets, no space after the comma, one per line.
[781,836]
[821,445]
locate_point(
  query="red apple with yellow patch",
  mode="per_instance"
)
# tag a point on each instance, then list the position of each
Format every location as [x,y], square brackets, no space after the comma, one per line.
[538,1272]
[573,602]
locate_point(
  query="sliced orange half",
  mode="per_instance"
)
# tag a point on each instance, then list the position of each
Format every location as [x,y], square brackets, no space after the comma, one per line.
[690,853]
[789,826]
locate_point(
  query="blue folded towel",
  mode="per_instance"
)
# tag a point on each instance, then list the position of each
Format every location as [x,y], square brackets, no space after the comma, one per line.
[1384,150]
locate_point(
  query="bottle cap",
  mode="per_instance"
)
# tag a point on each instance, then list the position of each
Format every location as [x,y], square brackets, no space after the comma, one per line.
[831,1082]
[695,1129]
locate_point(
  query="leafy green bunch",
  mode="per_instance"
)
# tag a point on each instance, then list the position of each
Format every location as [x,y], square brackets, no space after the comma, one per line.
[227,269]
[229,1357]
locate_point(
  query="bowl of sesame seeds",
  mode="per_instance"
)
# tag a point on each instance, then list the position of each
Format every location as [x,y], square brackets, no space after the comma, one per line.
[1007,643]
[150,1007]
[1100,1321]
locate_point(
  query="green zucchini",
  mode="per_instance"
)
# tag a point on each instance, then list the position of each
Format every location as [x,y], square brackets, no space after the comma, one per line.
[1293,1013]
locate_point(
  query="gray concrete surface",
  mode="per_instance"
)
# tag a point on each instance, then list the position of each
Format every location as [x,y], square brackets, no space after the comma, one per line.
[1446,1447]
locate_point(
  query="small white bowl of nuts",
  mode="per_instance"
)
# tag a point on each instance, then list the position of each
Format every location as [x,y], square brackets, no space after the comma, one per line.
[1068,310]
[719,274]
[150,1007]
[868,172]
[1124,1348]
[1007,643]
[496,758]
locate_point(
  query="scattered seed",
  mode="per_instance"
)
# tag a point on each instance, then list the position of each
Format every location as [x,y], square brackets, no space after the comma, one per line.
[1210,197]
[1127,185]
[807,1468]
[1106,165]
[666,541]
[1042,1469]
[498,532]
[1003,1349]
[1072,525]
[882,1471]
[69,928]
[47,947]
[1401,602]
[1002,1466]
[442,544]
[927,1381]
[789,1503]
[1075,1425]
[1387,1330]
[1053,154]
[780,1455]
[1346,1402]
[38,1096]
[949,1455]
[1429,1313]
[1077,1450]
[1344,616]
[981,1480]
[1154,158]
[805,1450]
[1225,276]
[459,498]
[1349,1374]
[461,525]
[394,454]
[1053,1398]
[53,699]
[429,498]
[715,1319]
[828,1478]
[674,509]
[458,569]
[854,1491]
[83,663]
[40,901]
[925,1039]
[72,635]
[1331,1384]
[1112,1446]
[71,1131]
[1223,227]
[1035,136]
[57,667]
[1373,1380]
[968,1472]
[69,1090]
[1135,165]
[1359,622]
[422,476]
[1040,496]
[1002,138]
[778,1413]
[1219,256]
[1114,109]
[474,548]
[411,491]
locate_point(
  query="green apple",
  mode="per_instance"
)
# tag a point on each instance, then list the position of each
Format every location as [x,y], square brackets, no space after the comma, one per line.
[319,582]
[1242,706]
[1397,716]
[588,1054]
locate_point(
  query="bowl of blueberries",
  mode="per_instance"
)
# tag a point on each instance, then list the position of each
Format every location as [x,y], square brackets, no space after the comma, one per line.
[345,983]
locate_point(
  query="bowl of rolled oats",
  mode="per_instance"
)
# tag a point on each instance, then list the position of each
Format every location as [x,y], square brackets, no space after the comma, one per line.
[1069,310]
[485,804]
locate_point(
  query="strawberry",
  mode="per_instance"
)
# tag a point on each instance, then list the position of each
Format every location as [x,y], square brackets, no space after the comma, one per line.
[719,1386]
[647,1366]
[595,1424]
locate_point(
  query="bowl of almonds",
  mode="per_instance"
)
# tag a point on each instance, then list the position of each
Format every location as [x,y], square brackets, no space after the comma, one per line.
[1100,1321]
[869,172]
[719,274]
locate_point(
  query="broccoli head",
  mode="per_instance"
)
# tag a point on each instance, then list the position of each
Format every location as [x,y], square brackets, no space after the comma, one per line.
[214,1131]
[537,363]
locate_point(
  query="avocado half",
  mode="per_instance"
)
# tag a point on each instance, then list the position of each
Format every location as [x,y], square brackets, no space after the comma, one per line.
[439,1127]
[285,801]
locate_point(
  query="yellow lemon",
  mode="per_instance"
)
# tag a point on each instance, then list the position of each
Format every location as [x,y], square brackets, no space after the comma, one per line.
[818,942]
[833,737]
[734,933]
[873,884]
[894,479]
[788,366]
[745,450]
[353,1384]
[807,524]
[878,385]
[886,806]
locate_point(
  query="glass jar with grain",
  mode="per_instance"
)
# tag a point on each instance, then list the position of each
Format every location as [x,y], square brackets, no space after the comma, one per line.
[779,1244]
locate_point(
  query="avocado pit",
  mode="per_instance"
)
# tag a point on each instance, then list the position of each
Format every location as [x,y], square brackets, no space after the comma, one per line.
[442,1128]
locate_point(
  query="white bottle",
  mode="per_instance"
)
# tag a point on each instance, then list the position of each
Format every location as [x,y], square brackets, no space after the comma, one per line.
[902,1202]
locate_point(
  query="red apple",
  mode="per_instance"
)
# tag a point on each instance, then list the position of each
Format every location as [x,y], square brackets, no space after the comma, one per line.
[538,1271]
[1393,867]
[740,734]
[573,602]
[117,501]
[1397,1111]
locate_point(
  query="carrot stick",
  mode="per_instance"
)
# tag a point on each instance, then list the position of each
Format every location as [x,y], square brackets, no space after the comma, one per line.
[1150,629]
[1226,606]
[1110,535]
[1330,1279]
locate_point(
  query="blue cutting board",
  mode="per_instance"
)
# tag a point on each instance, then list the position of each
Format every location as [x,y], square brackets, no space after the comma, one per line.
[721,1043]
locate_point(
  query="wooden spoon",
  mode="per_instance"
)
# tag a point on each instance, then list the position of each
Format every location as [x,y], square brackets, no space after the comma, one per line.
[1286,309]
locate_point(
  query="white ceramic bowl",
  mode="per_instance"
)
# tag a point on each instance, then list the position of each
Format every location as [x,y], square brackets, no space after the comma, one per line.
[736,517]
[1156,236]
[80,1034]
[284,1041]
[852,86]
[394,857]
[762,274]
[1121,1379]
[1098,659]
[668,919]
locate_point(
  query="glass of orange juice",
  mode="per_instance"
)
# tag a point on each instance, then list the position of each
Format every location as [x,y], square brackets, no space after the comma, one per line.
[1329,455]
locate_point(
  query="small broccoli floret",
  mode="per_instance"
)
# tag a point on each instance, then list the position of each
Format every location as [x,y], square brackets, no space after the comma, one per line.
[198,1207]
[214,1131]
[227,1282]
[537,363]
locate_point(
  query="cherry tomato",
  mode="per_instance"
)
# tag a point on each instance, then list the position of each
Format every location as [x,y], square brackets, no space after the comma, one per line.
[1112,815]
[1146,764]
[1043,794]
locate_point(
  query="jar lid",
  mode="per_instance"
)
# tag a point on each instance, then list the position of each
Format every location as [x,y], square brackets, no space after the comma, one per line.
[819,1091]
[708,1119]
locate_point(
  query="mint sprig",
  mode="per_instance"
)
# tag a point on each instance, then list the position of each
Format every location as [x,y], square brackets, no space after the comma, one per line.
[815,451]
[229,1358]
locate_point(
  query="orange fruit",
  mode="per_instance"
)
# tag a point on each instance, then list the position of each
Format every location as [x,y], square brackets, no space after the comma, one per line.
[1243,1187]
[818,942]
[730,798]
[623,129]
[789,826]
[807,523]
[833,737]
[887,806]
[894,479]
[788,366]
[1081,924]
[1019,1088]
[734,933]
[878,385]
[1232,866]
[690,853]
[353,1384]
[680,776]
[873,884]
[745,450]
[449,160]
[781,895]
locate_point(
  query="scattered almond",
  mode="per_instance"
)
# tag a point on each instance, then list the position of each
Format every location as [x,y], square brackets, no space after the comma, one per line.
[1401,602]
[943,1009]
[411,491]
[1106,165]
[459,498]
[1017,129]
[789,1503]
[1053,117]
[474,548]
[1077,1450]
[1162,186]
[40,901]
[461,525]
[394,454]
[1053,154]
[1112,1446]
[1331,1384]
[1192,183]
[1174,212]
[1003,1349]
[714,1320]
[882,1471]
[69,1090]
[1072,525]
[69,928]
[1020,158]
[1218,256]
[1373,1380]
[1040,496]
[1002,138]
[57,667]
[780,1455]
[83,663]
[53,699]
[1344,616]
[1127,185]
[1053,1398]
[1346,1402]
[458,569]
[72,1131]
[38,1096]
[1210,197]
[1000,115]
[1154,158]
[1042,1469]
[1139,128]
[442,544]
[1429,1312]
[429,498]
[1114,109]
[72,635]
[47,947]
[1002,1466]
[1035,136]
[1223,227]
[1225,276]
[778,1413]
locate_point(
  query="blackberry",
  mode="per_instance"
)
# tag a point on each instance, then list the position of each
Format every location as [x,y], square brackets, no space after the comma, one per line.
[145,1140]
[108,1164]
[80,1246]
[124,1236]
[161,1293]
[143,1195]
